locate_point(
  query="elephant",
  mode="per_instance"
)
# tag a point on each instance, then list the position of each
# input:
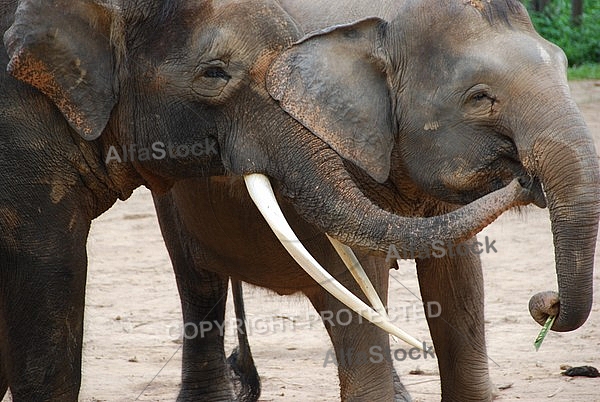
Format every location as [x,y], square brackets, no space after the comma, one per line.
[463,97]
[100,98]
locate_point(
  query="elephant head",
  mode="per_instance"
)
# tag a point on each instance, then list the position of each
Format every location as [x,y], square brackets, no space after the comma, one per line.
[462,98]
[145,82]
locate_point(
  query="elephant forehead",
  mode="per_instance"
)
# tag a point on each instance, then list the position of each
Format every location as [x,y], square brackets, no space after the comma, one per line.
[235,35]
[262,22]
[478,4]
[456,20]
[544,55]
[514,51]
[496,59]
[214,42]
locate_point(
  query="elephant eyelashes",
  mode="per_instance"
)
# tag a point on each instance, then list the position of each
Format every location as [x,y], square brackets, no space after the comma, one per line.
[479,93]
[211,79]
[216,72]
[481,99]
[482,96]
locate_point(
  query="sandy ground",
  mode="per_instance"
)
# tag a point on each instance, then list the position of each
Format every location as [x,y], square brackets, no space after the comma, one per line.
[132,348]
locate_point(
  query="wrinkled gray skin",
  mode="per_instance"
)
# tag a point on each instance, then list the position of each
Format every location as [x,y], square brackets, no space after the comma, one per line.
[462,97]
[80,81]
[472,115]
[476,99]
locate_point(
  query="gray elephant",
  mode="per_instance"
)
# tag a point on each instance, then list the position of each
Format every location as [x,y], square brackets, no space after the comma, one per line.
[431,106]
[100,98]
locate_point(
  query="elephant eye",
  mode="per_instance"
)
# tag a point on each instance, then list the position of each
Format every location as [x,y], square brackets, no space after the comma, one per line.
[213,69]
[211,79]
[479,97]
[479,93]
[216,72]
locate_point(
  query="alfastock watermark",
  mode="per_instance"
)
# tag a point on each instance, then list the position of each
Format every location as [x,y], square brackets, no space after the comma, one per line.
[376,354]
[440,249]
[160,150]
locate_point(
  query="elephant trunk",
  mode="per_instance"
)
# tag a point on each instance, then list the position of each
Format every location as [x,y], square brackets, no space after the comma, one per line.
[334,203]
[323,192]
[563,156]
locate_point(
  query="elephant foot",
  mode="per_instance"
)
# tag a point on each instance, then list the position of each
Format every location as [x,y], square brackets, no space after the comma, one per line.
[400,393]
[208,385]
[246,382]
[194,395]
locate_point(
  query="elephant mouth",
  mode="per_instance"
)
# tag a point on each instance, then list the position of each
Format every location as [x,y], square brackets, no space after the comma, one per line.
[526,179]
[531,183]
[512,167]
[534,185]
[498,175]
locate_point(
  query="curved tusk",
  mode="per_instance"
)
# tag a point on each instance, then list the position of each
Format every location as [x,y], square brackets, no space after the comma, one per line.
[261,192]
[358,272]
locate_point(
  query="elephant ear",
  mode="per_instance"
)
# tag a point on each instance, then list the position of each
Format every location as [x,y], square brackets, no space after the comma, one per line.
[62,48]
[334,83]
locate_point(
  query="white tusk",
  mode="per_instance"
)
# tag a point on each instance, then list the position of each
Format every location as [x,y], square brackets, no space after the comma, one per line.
[358,272]
[261,192]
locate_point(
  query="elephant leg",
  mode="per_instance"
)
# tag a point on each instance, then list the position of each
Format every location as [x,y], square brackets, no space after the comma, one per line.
[247,381]
[362,351]
[456,283]
[205,373]
[400,392]
[41,317]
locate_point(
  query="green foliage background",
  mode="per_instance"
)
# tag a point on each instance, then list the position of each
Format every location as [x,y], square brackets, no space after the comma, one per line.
[581,42]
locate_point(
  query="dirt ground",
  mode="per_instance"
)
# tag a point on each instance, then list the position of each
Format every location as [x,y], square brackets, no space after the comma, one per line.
[132,326]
